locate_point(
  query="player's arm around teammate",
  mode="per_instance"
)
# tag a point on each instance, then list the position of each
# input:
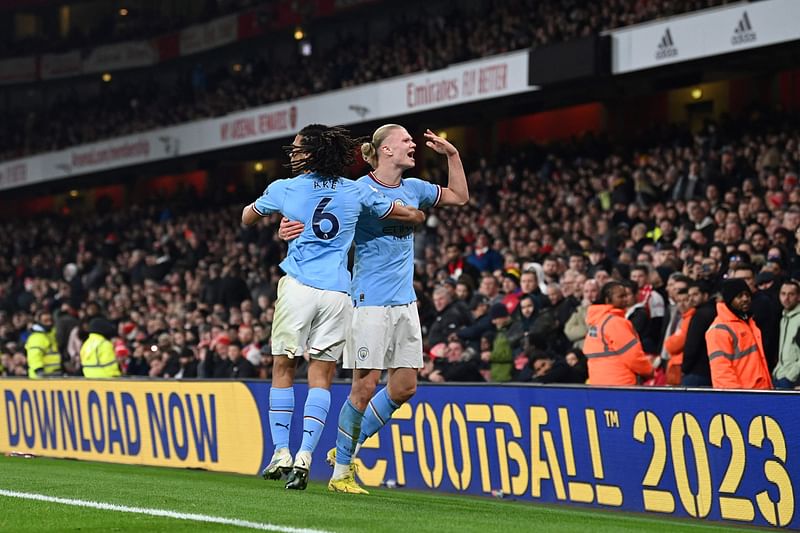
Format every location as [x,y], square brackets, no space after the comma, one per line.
[386,333]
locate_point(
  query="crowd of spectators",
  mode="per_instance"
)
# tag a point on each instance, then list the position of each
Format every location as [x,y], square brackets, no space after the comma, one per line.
[424,39]
[137,23]
[503,284]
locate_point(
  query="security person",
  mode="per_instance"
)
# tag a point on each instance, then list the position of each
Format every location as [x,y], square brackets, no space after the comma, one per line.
[735,348]
[611,346]
[41,348]
[98,358]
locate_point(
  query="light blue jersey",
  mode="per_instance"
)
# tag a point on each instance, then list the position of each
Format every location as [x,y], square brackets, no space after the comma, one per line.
[383,274]
[329,208]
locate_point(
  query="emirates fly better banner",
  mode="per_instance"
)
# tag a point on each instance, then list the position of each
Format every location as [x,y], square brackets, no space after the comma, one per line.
[714,455]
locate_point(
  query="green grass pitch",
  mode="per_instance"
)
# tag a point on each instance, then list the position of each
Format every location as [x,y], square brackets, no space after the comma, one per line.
[267,502]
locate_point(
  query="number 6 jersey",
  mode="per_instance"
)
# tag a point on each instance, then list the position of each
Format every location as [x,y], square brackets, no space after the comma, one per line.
[329,208]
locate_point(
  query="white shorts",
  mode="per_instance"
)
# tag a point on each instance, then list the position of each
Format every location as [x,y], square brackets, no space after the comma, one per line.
[310,319]
[384,337]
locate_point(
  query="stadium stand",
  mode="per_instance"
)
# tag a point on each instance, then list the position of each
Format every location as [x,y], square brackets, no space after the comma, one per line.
[434,35]
[185,286]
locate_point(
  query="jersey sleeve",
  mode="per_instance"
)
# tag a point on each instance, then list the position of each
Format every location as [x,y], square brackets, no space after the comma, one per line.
[272,199]
[428,194]
[374,201]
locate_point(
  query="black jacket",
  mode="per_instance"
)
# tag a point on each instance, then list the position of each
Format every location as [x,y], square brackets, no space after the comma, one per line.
[695,352]
[452,318]
[767,313]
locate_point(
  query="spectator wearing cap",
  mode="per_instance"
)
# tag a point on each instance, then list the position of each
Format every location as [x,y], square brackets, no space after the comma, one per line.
[502,359]
[735,349]
[764,305]
[511,289]
[187,364]
[450,316]
[787,372]
[611,346]
[482,322]
[240,367]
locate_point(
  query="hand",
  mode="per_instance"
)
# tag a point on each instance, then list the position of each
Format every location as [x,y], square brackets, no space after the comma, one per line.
[441,146]
[289,229]
[436,377]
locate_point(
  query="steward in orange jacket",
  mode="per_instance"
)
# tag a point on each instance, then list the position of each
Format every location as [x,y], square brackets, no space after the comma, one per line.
[612,348]
[674,343]
[735,349]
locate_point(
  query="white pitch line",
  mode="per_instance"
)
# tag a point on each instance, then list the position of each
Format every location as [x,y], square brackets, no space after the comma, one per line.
[157,512]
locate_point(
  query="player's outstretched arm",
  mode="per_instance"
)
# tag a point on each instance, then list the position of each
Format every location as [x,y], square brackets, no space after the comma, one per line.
[457,191]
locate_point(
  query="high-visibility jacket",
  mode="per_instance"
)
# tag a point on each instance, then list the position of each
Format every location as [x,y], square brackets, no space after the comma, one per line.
[674,347]
[98,359]
[612,348]
[41,349]
[736,352]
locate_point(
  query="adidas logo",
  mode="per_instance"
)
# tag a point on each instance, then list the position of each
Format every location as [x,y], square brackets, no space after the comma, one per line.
[743,33]
[666,47]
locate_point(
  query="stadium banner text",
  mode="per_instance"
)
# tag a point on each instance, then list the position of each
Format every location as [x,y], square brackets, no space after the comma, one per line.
[709,33]
[492,77]
[713,455]
[209,425]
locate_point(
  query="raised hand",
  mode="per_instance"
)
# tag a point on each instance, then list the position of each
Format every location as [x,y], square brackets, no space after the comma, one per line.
[441,146]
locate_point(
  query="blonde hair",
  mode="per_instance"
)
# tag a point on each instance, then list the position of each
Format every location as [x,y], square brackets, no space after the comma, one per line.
[369,150]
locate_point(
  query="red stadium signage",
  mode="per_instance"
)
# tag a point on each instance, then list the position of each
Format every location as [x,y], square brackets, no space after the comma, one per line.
[256,125]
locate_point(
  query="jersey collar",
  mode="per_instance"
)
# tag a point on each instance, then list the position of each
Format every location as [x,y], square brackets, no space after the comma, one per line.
[382,184]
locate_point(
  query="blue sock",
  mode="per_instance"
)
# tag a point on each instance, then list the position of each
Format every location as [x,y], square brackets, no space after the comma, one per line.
[347,435]
[281,409]
[378,412]
[314,415]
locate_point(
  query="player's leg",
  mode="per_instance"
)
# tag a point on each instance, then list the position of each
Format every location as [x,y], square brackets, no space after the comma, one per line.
[290,330]
[315,413]
[404,358]
[281,410]
[325,344]
[349,429]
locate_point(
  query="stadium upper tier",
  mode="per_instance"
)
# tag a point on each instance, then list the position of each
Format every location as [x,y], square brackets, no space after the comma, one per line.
[428,37]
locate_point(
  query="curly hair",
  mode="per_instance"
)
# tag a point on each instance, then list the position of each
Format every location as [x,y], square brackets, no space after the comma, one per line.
[329,150]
